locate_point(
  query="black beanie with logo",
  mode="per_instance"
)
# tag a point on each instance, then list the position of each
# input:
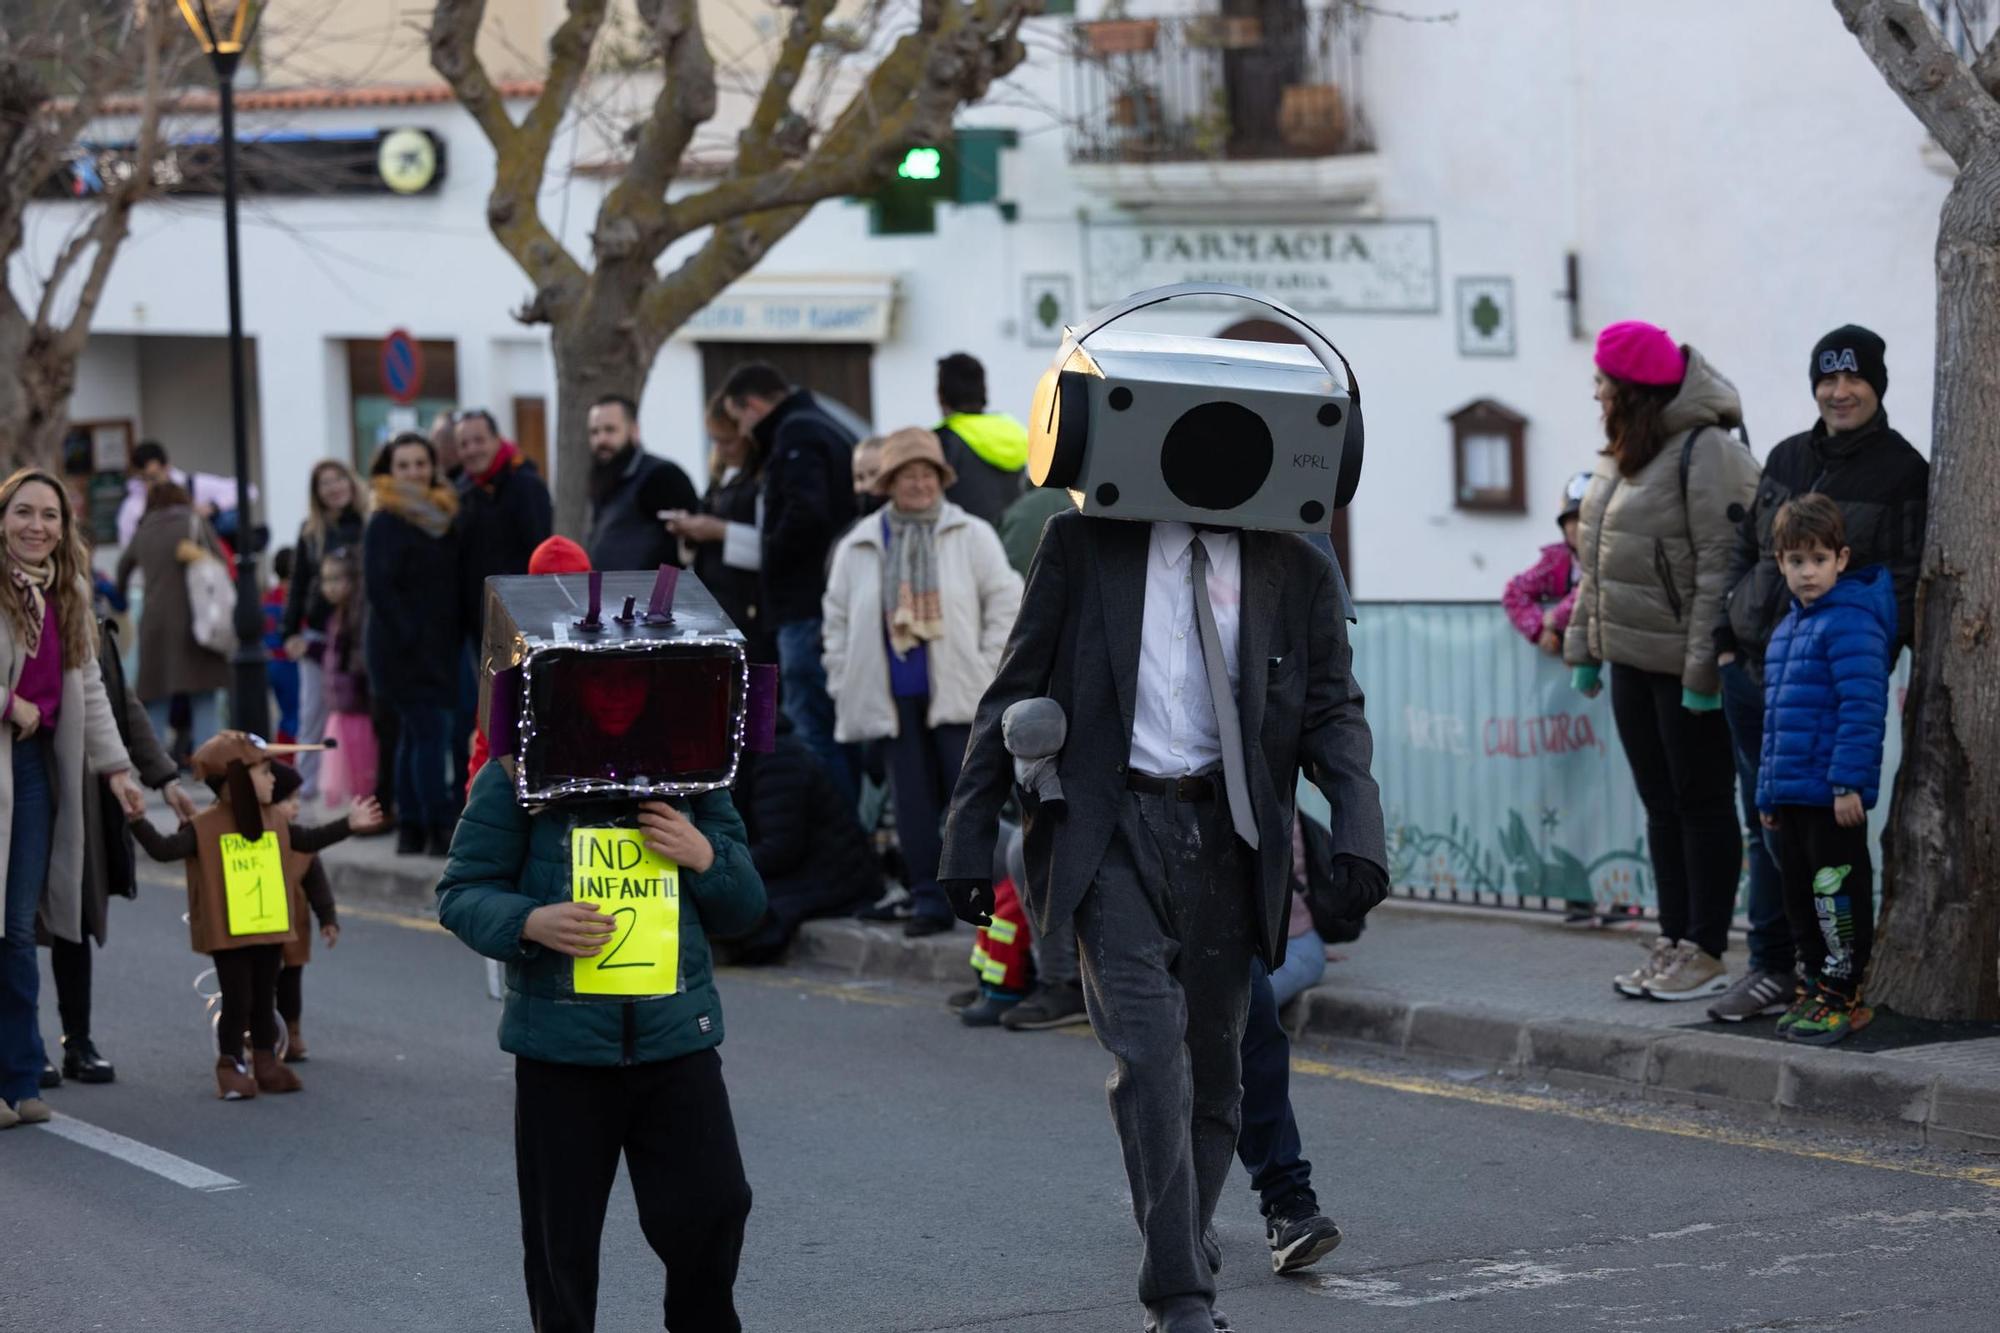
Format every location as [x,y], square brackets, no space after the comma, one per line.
[1855,350]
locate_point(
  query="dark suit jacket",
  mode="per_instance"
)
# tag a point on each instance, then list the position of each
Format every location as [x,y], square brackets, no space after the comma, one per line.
[1077,641]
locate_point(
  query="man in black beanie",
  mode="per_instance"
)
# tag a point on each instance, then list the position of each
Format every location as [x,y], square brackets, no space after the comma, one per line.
[1882,486]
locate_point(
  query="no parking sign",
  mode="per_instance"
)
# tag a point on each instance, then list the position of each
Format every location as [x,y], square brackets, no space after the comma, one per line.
[402,367]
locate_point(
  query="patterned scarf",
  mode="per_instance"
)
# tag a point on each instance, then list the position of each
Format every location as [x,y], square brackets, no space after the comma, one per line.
[33,583]
[909,579]
[429,511]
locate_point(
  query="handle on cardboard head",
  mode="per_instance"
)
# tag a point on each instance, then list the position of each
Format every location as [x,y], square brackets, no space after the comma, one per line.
[1316,342]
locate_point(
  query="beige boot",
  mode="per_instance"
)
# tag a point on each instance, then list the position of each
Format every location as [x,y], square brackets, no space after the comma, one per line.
[8,1119]
[232,1081]
[1632,984]
[33,1111]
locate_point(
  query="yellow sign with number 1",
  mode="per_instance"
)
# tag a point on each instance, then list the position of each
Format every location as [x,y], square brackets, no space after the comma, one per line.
[253,885]
[613,868]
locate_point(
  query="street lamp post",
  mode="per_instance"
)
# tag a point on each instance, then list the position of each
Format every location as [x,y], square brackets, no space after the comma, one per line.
[223,31]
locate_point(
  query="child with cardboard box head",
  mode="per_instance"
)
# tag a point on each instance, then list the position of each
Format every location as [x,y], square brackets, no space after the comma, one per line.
[597,854]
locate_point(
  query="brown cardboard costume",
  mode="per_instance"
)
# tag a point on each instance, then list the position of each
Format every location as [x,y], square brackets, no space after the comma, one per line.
[244,865]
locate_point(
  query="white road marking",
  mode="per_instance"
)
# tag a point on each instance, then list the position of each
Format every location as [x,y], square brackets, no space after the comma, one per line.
[144,1156]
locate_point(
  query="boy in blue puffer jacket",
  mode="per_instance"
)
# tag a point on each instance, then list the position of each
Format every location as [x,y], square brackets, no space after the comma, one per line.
[1826,698]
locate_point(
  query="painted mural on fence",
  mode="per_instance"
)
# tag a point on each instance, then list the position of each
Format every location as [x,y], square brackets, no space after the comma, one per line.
[1500,783]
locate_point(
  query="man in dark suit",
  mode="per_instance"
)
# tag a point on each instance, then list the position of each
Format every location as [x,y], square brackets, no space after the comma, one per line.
[1173,854]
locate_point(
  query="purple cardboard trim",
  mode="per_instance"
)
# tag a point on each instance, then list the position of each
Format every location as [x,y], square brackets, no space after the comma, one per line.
[760,710]
[503,713]
[661,605]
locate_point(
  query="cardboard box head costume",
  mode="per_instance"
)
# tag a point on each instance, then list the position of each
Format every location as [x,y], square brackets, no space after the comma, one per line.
[600,686]
[1151,426]
[240,880]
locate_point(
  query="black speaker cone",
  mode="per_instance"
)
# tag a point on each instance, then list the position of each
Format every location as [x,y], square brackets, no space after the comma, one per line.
[1217,456]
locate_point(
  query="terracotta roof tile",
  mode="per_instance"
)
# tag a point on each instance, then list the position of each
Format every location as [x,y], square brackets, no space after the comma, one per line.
[324,98]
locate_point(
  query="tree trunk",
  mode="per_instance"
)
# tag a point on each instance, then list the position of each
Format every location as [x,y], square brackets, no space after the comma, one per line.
[1937,950]
[35,388]
[594,357]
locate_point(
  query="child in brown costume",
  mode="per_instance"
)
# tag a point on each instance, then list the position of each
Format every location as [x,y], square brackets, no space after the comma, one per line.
[245,938]
[311,891]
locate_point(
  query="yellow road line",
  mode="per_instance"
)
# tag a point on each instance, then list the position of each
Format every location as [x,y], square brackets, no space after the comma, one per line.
[1619,1117]
[1634,1118]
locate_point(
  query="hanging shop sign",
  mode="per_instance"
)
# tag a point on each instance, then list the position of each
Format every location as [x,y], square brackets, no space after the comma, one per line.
[797,309]
[382,161]
[1366,267]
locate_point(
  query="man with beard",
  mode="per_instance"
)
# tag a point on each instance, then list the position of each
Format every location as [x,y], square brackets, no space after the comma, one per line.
[629,490]
[1882,485]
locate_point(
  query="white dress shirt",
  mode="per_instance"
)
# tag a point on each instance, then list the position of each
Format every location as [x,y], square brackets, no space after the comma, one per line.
[1173,719]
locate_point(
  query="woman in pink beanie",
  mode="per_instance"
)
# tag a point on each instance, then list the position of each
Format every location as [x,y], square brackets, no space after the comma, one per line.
[1657,532]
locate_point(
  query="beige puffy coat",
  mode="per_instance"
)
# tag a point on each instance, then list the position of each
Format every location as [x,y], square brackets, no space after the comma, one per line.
[85,742]
[1655,567]
[980,594]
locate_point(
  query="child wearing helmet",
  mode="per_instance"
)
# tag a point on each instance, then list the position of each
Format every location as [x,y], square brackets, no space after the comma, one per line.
[1539,598]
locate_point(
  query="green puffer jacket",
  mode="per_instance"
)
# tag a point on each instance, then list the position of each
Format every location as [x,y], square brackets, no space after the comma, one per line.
[506,862]
[1654,557]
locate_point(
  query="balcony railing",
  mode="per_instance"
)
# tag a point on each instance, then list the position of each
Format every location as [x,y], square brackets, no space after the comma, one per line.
[1266,79]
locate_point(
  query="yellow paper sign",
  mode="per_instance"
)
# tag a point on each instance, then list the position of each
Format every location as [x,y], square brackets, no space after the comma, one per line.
[641,891]
[253,885]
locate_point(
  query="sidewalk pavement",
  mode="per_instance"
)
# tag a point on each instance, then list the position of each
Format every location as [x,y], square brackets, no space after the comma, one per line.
[1507,993]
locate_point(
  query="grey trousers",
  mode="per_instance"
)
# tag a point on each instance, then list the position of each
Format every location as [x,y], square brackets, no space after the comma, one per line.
[1166,933]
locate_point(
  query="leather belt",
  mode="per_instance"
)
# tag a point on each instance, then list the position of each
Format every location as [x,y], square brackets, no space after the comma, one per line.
[1194,787]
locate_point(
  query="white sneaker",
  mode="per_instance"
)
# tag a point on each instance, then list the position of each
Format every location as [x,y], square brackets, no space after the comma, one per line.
[1691,974]
[1632,984]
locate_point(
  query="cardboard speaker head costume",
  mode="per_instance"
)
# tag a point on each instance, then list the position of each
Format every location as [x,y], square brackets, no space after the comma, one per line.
[607,685]
[1152,427]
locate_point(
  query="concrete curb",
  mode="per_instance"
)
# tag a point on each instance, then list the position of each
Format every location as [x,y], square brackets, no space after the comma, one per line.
[1762,1079]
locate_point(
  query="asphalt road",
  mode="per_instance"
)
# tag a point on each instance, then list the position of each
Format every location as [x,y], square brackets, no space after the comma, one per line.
[911,1175]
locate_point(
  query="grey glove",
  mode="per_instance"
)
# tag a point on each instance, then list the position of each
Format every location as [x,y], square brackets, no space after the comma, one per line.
[1034,731]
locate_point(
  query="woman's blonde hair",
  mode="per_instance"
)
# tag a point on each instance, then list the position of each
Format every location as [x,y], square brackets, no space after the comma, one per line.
[318,521]
[71,559]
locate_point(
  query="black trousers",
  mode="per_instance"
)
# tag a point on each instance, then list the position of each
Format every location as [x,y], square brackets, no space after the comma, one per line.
[1269,1145]
[291,994]
[248,977]
[388,732]
[70,962]
[671,1122]
[1829,882]
[1684,766]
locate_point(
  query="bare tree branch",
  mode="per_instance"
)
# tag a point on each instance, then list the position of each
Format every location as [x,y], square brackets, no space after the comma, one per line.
[686,102]
[522,151]
[1987,68]
[1927,74]
[910,96]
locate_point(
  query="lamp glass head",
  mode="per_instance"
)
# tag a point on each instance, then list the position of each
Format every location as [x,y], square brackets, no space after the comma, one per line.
[1045,416]
[222,27]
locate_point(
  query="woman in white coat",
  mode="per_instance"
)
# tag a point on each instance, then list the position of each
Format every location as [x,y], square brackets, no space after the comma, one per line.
[58,726]
[918,605]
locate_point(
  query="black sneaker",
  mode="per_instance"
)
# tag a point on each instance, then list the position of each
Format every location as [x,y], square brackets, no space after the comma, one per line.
[1047,1007]
[960,999]
[988,1010]
[1757,994]
[51,1076]
[1300,1237]
[409,840]
[82,1062]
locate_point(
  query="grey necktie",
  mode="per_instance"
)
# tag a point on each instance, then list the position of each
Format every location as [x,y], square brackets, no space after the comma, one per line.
[1229,727]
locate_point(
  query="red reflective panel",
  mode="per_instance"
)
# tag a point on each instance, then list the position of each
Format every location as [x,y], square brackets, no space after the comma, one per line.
[665,716]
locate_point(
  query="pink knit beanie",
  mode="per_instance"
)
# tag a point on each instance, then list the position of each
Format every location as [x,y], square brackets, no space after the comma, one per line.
[1641,353]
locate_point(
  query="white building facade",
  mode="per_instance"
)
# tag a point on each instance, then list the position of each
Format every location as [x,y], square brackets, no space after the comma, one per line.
[1463,210]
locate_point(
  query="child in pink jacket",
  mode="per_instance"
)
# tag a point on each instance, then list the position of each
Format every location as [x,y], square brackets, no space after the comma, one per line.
[1539,599]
